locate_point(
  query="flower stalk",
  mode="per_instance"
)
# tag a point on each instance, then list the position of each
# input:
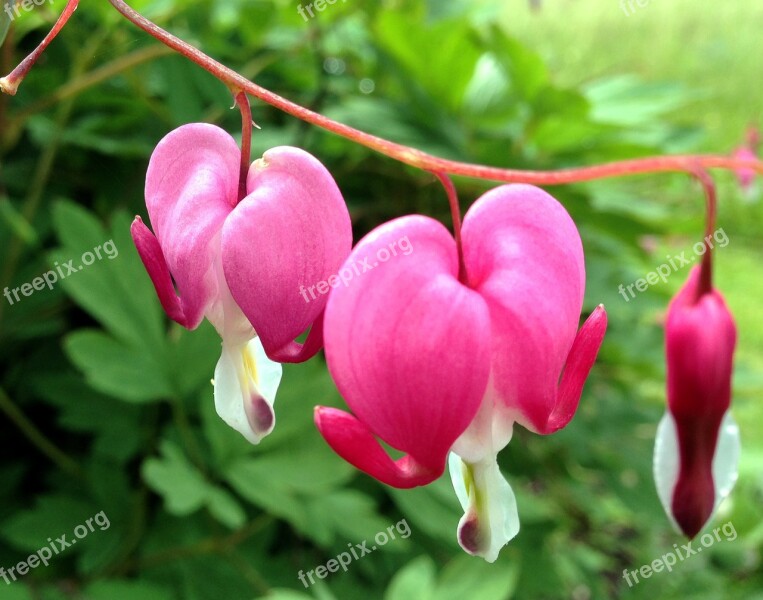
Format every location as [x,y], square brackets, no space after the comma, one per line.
[399,152]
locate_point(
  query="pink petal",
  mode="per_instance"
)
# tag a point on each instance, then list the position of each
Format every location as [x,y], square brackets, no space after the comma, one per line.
[524,256]
[354,442]
[291,232]
[745,176]
[153,259]
[582,356]
[191,187]
[408,347]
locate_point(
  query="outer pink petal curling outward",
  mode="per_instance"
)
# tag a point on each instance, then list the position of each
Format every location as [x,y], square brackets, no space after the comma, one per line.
[153,259]
[291,232]
[579,363]
[191,187]
[408,346]
[700,340]
[524,256]
[355,442]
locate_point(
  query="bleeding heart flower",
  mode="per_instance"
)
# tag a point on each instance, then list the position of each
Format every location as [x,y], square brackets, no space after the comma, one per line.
[697,448]
[746,151]
[431,364]
[240,263]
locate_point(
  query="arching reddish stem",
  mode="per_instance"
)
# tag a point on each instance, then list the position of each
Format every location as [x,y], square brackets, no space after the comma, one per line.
[455,211]
[10,83]
[242,101]
[711,196]
[399,152]
[422,160]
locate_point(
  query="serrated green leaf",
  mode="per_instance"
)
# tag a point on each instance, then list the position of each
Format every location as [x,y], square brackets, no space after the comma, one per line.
[180,484]
[185,490]
[113,368]
[50,517]
[116,291]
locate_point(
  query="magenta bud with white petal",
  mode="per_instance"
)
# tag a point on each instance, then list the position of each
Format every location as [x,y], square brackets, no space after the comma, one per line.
[747,151]
[241,262]
[430,363]
[697,447]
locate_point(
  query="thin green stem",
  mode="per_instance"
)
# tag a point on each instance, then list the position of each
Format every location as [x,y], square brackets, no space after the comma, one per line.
[180,417]
[37,438]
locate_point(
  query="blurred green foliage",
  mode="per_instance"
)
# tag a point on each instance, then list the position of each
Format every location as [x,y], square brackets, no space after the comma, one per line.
[108,407]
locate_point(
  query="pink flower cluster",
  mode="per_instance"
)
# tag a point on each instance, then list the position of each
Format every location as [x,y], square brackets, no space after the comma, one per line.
[435,356]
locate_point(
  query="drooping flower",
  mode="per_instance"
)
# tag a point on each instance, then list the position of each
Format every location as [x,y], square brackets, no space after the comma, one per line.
[431,364]
[240,262]
[747,151]
[697,446]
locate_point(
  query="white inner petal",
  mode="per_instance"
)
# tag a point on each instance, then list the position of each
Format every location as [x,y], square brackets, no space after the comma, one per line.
[246,381]
[489,432]
[665,465]
[222,310]
[667,459]
[726,458]
[490,508]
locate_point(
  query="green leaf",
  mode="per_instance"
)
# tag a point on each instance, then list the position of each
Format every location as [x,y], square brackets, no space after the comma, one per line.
[625,100]
[82,409]
[526,70]
[115,288]
[451,55]
[433,508]
[286,595]
[180,484]
[17,591]
[326,518]
[225,508]
[6,18]
[292,483]
[50,517]
[114,368]
[472,577]
[185,490]
[416,581]
[192,357]
[126,590]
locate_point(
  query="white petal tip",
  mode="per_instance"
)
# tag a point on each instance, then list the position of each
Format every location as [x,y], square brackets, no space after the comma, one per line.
[245,382]
[491,519]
